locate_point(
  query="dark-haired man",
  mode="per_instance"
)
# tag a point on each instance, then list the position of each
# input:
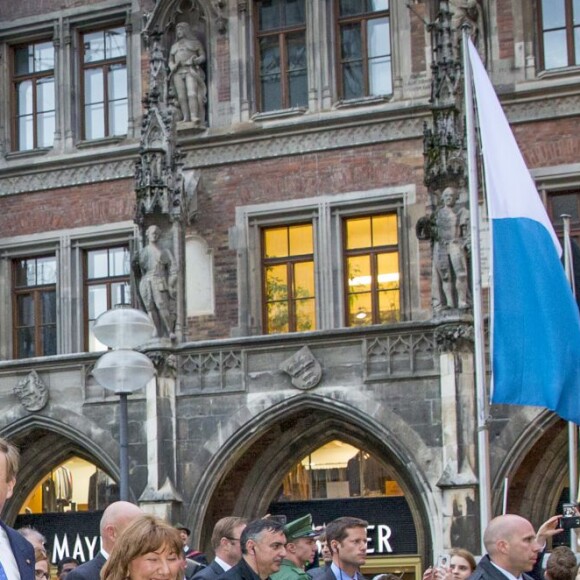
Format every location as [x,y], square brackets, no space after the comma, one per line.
[66,565]
[16,553]
[347,541]
[263,550]
[326,558]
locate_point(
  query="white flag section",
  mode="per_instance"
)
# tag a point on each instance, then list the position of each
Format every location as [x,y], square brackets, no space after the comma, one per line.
[535,320]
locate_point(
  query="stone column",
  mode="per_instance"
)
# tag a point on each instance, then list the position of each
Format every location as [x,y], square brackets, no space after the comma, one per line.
[458,482]
[160,495]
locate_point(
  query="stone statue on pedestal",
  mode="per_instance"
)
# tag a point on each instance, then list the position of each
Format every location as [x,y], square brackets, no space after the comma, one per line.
[448,229]
[158,283]
[186,56]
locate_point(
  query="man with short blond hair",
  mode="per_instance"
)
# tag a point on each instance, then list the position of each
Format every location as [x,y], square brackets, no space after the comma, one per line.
[225,541]
[16,553]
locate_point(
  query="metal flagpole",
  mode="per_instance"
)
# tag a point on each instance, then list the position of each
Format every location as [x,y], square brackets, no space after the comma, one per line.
[572,428]
[482,403]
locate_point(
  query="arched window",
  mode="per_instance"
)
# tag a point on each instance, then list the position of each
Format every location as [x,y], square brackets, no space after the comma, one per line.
[75,485]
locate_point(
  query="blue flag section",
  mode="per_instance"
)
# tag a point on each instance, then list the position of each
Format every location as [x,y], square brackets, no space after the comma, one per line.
[535,320]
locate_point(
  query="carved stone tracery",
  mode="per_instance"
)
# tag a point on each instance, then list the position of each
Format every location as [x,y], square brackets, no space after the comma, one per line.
[447,226]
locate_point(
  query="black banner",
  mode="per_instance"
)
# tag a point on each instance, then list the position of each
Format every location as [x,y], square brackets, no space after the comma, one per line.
[391,528]
[73,534]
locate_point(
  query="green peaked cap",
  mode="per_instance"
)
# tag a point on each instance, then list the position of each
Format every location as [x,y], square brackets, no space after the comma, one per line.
[300,528]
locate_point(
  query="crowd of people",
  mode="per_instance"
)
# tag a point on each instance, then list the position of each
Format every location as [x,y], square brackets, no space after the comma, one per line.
[140,546]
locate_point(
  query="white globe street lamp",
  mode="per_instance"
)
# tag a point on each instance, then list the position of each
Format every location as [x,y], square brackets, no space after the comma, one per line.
[123,370]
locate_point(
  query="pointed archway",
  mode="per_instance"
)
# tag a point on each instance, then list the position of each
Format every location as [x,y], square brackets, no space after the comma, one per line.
[45,443]
[246,473]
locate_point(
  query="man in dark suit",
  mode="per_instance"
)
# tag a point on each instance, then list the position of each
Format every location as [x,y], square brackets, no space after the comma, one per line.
[263,550]
[326,557]
[347,541]
[113,521]
[225,541]
[16,553]
[512,549]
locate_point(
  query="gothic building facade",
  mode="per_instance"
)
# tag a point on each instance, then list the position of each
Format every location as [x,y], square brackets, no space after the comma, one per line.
[264,178]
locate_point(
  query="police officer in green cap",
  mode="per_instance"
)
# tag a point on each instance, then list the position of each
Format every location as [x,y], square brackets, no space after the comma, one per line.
[300,549]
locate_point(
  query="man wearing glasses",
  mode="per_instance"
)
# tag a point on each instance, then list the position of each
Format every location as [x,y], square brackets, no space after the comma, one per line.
[225,541]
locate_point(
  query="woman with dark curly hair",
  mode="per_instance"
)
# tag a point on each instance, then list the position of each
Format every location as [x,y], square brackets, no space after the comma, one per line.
[149,548]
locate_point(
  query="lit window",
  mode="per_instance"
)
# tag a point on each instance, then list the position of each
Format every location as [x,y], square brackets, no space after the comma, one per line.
[34,96]
[73,486]
[560,28]
[105,103]
[288,267]
[34,299]
[364,48]
[338,470]
[372,270]
[281,49]
[106,285]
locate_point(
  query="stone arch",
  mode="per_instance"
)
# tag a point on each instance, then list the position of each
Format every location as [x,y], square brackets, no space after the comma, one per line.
[537,444]
[45,442]
[273,439]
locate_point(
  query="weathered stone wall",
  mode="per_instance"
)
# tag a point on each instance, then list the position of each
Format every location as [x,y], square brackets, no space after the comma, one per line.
[229,422]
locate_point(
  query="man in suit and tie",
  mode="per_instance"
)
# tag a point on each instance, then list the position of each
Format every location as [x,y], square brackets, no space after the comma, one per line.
[347,540]
[225,541]
[16,553]
[113,522]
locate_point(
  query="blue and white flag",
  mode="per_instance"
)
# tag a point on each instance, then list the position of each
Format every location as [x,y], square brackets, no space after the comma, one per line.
[535,320]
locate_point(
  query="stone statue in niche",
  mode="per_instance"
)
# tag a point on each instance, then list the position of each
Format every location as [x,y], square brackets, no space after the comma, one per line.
[158,283]
[468,12]
[450,235]
[185,59]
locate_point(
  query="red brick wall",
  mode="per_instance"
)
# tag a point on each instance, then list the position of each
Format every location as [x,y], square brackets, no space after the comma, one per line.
[223,68]
[505,28]
[87,205]
[549,142]
[285,178]
[418,37]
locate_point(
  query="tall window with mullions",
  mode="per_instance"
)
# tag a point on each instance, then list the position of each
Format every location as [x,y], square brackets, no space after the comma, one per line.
[34,301]
[282,79]
[372,269]
[364,48]
[559,33]
[104,83]
[289,298]
[107,284]
[34,102]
